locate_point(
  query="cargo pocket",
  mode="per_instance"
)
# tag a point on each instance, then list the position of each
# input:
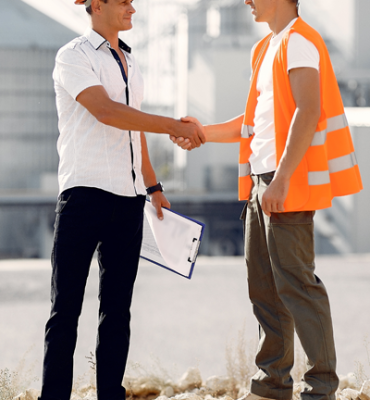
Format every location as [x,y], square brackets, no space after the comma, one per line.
[294,237]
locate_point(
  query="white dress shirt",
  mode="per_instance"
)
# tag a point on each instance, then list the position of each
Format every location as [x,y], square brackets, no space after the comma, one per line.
[93,154]
[301,53]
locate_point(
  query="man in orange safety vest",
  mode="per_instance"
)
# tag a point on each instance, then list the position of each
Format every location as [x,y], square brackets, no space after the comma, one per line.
[296,154]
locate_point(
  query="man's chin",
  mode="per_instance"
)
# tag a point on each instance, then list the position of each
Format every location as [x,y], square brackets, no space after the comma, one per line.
[259,19]
[126,27]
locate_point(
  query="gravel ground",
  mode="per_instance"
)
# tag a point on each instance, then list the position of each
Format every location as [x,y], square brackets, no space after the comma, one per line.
[178,322]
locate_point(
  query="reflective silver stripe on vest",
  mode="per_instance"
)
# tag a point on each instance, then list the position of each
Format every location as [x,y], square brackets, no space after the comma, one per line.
[342,163]
[337,123]
[318,178]
[244,170]
[319,138]
[247,131]
[335,165]
[334,124]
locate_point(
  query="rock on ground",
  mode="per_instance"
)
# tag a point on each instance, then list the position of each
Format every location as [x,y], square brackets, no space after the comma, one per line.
[168,391]
[349,394]
[90,395]
[190,380]
[348,381]
[365,391]
[142,387]
[218,384]
[31,394]
[187,396]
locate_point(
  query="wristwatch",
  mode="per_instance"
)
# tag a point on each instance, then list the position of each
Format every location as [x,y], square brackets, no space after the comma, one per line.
[155,188]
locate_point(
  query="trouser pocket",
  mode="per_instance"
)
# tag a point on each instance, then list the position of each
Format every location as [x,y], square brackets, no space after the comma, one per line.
[294,237]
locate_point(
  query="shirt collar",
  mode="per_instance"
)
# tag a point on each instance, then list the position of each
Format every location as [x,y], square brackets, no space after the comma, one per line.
[281,33]
[97,40]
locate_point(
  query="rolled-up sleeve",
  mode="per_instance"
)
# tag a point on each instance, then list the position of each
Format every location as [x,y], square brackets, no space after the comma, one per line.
[74,72]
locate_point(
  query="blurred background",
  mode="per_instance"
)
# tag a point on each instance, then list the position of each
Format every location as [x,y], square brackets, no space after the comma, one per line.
[195,58]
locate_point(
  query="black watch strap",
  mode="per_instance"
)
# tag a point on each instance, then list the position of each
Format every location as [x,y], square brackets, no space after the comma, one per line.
[155,188]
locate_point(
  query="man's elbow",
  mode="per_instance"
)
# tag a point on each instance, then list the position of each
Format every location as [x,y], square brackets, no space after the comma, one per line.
[104,115]
[312,114]
[315,114]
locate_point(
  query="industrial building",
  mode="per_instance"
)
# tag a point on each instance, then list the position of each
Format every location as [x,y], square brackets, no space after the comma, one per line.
[196,62]
[29,41]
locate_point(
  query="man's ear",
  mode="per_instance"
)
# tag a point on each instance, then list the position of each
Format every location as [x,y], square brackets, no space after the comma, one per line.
[96,7]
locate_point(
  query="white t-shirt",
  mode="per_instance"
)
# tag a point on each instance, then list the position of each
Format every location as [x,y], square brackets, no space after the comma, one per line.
[301,53]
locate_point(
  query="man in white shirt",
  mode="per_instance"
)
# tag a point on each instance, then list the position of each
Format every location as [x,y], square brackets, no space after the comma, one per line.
[285,293]
[104,176]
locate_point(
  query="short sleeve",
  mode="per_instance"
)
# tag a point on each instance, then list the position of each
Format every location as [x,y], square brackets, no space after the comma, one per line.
[302,53]
[74,72]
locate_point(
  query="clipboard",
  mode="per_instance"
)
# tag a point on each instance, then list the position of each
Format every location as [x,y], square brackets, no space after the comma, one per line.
[172,243]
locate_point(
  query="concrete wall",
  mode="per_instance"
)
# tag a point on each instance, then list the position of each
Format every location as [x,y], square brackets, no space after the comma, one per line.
[345,228]
[359,220]
[29,126]
[362,34]
[218,89]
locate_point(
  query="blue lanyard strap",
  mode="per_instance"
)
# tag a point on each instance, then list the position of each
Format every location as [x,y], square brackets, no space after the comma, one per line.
[124,76]
[123,72]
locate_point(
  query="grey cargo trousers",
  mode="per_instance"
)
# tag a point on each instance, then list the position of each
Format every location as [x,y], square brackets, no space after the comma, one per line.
[287,295]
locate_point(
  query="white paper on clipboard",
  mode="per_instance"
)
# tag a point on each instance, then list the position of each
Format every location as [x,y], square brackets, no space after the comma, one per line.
[172,243]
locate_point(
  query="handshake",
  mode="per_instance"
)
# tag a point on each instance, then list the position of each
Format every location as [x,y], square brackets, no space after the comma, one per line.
[190,134]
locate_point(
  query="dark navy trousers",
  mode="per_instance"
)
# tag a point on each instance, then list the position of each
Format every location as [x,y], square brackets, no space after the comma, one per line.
[88,219]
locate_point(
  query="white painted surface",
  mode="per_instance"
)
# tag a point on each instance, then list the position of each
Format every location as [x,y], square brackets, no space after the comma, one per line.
[182,323]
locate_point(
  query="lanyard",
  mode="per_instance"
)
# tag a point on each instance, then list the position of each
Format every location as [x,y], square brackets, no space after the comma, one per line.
[124,76]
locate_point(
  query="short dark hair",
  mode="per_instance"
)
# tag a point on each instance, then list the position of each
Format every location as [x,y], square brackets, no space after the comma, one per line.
[89,9]
[296,2]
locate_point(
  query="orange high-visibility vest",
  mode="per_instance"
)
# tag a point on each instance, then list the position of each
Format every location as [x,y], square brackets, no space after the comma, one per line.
[329,167]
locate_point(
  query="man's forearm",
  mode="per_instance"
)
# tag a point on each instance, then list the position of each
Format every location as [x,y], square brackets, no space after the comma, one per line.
[128,118]
[157,198]
[96,100]
[300,137]
[227,132]
[146,168]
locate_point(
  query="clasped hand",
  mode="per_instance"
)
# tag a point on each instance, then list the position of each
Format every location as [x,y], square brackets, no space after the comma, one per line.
[274,197]
[186,143]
